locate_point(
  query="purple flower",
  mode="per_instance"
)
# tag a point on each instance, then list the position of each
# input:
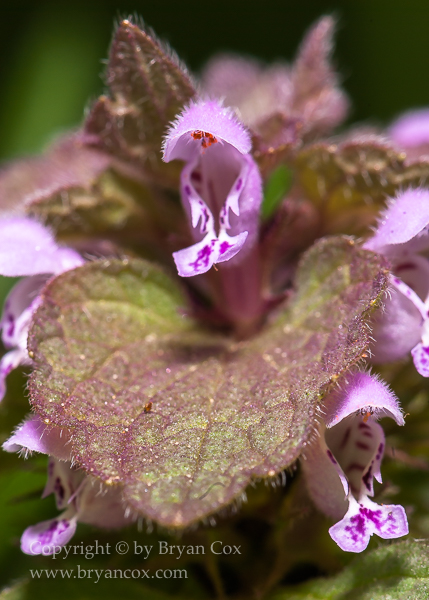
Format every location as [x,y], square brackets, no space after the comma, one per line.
[341,463]
[411,130]
[221,187]
[80,497]
[402,233]
[27,249]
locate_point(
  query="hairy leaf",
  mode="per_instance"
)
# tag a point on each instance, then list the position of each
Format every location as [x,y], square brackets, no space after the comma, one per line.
[317,97]
[148,88]
[350,180]
[108,339]
[67,164]
[128,213]
[397,572]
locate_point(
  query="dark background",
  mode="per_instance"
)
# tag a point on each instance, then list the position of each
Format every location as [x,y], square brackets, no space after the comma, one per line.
[51,52]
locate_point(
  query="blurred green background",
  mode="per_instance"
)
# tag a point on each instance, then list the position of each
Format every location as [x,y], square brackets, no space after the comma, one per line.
[51,52]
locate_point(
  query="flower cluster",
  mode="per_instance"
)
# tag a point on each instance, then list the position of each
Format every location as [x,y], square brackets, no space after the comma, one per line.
[237,270]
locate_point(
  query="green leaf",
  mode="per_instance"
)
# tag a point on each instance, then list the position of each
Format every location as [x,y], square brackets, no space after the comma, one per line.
[108,338]
[85,587]
[276,188]
[148,89]
[351,180]
[395,572]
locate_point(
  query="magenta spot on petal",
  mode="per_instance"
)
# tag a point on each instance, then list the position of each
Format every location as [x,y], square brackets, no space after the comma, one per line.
[331,457]
[224,247]
[362,446]
[363,425]
[239,184]
[187,190]
[345,438]
[357,529]
[206,218]
[59,527]
[405,266]
[59,489]
[203,257]
[11,329]
[367,478]
[380,451]
[355,467]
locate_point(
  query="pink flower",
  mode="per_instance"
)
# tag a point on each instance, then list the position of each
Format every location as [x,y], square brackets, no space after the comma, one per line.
[29,250]
[402,233]
[221,187]
[80,496]
[341,463]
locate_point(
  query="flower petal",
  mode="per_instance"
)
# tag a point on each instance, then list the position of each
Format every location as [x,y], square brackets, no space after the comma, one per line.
[411,129]
[48,537]
[404,221]
[199,258]
[420,354]
[362,393]
[325,479]
[8,362]
[358,447]
[204,117]
[34,435]
[18,310]
[365,518]
[397,329]
[29,248]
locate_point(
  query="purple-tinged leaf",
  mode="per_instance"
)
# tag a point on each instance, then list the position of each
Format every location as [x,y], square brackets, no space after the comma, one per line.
[67,164]
[125,211]
[351,180]
[282,104]
[148,88]
[182,418]
[317,97]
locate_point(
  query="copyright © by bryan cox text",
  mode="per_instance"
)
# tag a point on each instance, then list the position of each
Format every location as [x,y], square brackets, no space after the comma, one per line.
[122,547]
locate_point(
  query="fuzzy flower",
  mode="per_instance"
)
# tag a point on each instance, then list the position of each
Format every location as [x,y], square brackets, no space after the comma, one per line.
[80,497]
[29,250]
[402,233]
[342,462]
[411,130]
[221,187]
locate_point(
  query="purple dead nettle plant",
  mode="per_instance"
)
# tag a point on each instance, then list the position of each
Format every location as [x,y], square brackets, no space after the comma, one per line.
[127,384]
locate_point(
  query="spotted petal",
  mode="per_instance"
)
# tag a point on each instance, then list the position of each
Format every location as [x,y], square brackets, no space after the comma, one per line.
[49,536]
[365,518]
[199,258]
